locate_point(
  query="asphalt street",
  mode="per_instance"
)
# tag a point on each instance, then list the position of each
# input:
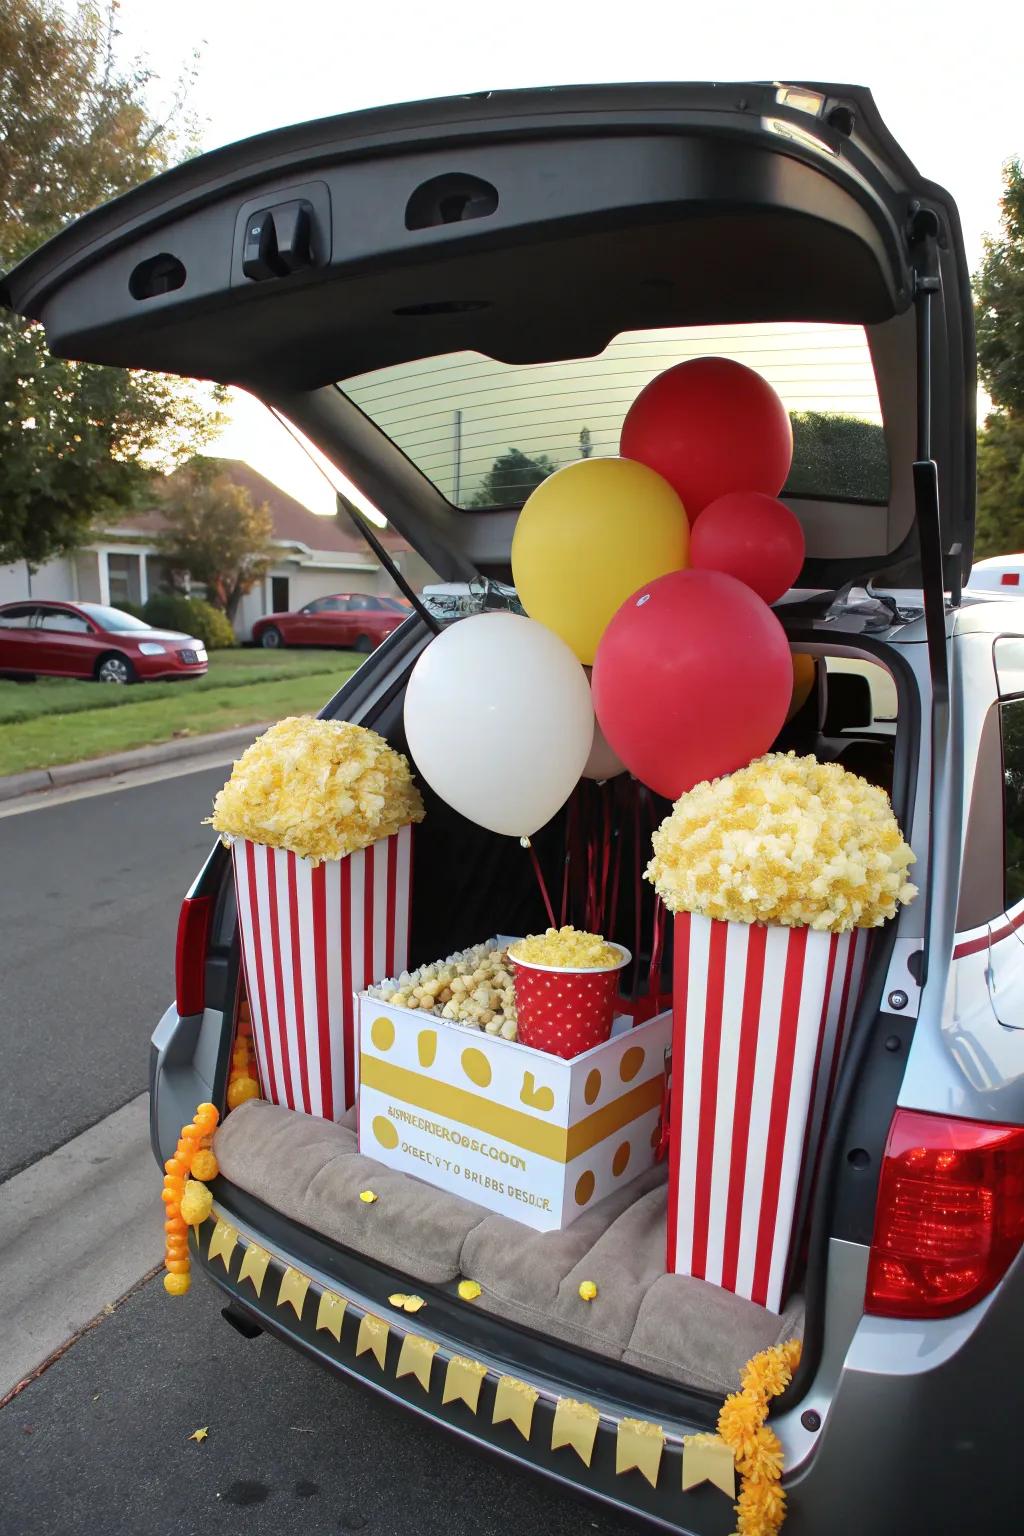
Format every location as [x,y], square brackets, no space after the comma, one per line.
[89,898]
[100,1439]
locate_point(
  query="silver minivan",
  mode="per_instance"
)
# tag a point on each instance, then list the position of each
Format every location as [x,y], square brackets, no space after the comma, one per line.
[447,299]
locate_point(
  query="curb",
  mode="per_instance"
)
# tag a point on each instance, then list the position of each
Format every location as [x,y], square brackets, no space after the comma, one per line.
[16,784]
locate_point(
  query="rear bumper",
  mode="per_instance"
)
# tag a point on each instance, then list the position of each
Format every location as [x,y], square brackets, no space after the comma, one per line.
[266,1288]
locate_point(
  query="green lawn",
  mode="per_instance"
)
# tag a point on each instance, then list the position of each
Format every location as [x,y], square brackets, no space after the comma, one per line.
[53,721]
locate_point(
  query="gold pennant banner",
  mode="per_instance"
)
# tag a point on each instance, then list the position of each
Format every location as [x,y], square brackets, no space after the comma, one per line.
[294,1285]
[707,1459]
[222,1243]
[638,1447]
[462,1381]
[575,1424]
[416,1359]
[373,1338]
[254,1266]
[330,1313]
[514,1403]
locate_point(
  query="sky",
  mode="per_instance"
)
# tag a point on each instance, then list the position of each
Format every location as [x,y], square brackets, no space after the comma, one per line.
[946,78]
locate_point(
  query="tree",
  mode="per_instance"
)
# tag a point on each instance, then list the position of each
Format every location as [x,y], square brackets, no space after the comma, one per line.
[511,478]
[1000,521]
[76,128]
[216,532]
[999,300]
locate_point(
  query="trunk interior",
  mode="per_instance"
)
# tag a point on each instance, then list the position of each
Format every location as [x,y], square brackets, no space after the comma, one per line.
[468,885]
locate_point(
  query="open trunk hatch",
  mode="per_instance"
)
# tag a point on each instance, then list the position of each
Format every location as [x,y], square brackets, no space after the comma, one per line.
[536,228]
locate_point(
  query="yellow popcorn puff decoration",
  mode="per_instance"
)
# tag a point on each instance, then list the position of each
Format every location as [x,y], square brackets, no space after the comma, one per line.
[567,948]
[320,788]
[196,1203]
[367,1196]
[588,1290]
[788,841]
[469,1290]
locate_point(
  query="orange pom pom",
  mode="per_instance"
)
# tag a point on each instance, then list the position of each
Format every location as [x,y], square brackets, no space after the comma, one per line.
[191,1134]
[177,1266]
[176,1167]
[174,1226]
[241,1090]
[170,1196]
[204,1164]
[177,1284]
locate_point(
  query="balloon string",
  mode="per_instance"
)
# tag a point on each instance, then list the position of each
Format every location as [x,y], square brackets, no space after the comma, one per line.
[637,891]
[541,882]
[657,947]
[606,854]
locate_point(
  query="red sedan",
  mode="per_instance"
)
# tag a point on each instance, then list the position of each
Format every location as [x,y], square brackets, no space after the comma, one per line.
[354,620]
[92,641]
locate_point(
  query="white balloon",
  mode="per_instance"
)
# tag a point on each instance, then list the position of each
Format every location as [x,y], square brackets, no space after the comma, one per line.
[499,721]
[602,763]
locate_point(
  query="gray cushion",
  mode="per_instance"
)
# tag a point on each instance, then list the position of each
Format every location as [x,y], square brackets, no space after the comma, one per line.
[674,1326]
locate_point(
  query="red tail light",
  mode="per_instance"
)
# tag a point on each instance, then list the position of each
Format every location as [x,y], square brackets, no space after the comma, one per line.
[950,1216]
[190,954]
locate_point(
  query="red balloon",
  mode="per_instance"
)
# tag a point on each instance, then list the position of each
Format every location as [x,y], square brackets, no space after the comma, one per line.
[710,426]
[692,679]
[750,536]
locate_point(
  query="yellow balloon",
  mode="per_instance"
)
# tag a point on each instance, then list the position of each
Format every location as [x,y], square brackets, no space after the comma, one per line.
[589,536]
[803,681]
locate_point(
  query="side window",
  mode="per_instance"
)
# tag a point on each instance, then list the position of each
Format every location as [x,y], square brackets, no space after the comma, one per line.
[1011,717]
[19,617]
[334,605]
[66,623]
[361,604]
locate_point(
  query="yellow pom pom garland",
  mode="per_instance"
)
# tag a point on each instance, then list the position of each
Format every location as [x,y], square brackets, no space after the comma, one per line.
[761,1507]
[186,1200]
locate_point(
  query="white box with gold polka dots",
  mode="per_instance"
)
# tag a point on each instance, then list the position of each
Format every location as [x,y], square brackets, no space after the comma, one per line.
[531,1135]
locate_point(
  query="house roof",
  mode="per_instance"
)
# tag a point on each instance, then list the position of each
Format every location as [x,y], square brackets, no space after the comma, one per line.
[293,523]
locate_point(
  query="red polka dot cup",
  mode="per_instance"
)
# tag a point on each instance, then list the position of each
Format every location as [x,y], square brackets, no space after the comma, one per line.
[562,1011]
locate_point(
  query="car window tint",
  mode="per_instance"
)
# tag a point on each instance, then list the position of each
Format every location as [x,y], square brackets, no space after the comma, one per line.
[66,623]
[17,618]
[1012,721]
[361,604]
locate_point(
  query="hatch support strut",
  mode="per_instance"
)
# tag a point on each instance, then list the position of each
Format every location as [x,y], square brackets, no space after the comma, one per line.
[924,234]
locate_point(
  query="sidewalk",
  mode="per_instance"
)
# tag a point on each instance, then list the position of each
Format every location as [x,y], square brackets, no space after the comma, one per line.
[16,784]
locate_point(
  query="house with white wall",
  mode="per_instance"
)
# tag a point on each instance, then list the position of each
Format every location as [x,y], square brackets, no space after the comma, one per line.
[316,557]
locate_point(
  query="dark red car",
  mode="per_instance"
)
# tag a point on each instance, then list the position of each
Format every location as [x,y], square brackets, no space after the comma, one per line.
[92,641]
[356,621]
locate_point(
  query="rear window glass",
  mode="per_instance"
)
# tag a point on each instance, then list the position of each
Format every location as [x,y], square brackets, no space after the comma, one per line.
[485,433]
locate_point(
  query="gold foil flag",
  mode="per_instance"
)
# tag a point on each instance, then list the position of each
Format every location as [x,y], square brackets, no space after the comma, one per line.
[330,1312]
[575,1424]
[373,1336]
[513,1401]
[707,1459]
[254,1266]
[222,1243]
[416,1359]
[294,1285]
[462,1381]
[638,1447]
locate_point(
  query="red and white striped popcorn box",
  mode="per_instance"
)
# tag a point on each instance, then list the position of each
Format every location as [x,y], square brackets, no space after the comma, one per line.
[312,937]
[760,1022]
